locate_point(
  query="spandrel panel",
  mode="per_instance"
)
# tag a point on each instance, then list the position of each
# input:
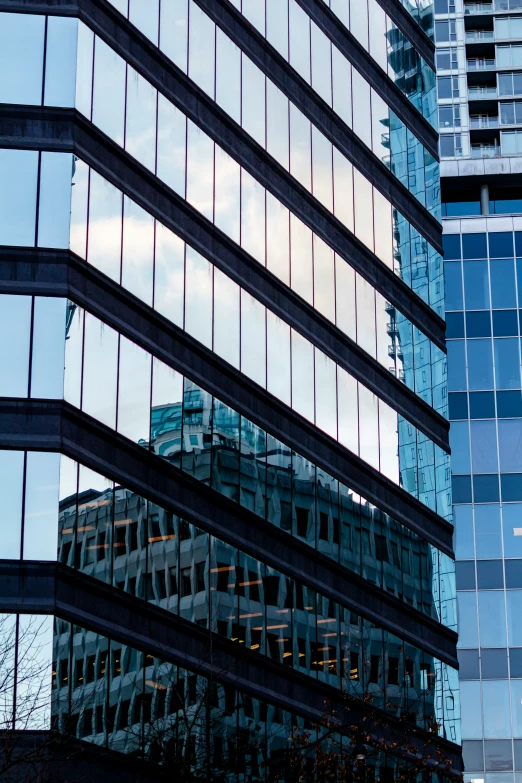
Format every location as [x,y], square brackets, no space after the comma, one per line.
[138,251]
[34,672]
[15,322]
[140,119]
[18,184]
[134,378]
[60,61]
[302,376]
[21,58]
[100,361]
[202,42]
[228,75]
[253,339]
[108,110]
[42,489]
[174,32]
[200,170]
[171,145]
[226,318]
[48,350]
[198,297]
[278,357]
[169,275]
[54,228]
[105,226]
[11,486]
[227,195]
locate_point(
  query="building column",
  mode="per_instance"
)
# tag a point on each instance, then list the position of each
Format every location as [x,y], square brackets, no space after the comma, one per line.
[484,199]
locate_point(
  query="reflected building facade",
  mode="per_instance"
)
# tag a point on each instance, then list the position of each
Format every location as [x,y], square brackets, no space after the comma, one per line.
[223,421]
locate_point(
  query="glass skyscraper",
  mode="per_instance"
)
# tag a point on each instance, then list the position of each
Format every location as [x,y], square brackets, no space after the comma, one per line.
[224,466]
[479,70]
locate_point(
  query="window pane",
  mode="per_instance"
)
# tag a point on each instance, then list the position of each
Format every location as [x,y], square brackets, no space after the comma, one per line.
[169,275]
[100,361]
[18,178]
[492,618]
[48,347]
[42,490]
[11,487]
[495,696]
[15,321]
[134,392]
[226,318]
[21,58]
[302,376]
[138,251]
[253,339]
[109,91]
[60,61]
[105,216]
[278,357]
[55,200]
[140,125]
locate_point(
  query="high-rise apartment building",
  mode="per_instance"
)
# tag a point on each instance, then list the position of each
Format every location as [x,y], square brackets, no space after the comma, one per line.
[224,471]
[479,66]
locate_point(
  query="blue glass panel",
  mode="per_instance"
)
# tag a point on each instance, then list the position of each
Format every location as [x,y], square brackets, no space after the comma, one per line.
[476,285]
[453,285]
[458,406]
[485,489]
[505,322]
[480,364]
[511,487]
[488,535]
[512,526]
[482,405]
[474,246]
[463,520]
[478,324]
[507,363]
[459,442]
[501,244]
[503,291]
[492,618]
[461,489]
[456,365]
[484,446]
[454,325]
[21,58]
[509,404]
[451,246]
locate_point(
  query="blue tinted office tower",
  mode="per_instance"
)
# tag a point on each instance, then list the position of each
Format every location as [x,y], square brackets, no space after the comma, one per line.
[224,463]
[479,79]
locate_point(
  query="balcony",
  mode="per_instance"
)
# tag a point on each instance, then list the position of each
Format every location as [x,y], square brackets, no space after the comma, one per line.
[482,122]
[485,150]
[480,64]
[478,8]
[482,93]
[479,36]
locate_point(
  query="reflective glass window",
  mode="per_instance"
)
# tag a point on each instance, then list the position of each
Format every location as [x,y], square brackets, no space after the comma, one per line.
[21,58]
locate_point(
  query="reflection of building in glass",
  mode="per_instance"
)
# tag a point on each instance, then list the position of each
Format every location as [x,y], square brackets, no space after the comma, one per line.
[224,461]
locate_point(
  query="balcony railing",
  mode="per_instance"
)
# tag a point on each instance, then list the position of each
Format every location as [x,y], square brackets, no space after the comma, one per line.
[485,150]
[478,8]
[480,64]
[482,93]
[479,35]
[483,122]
